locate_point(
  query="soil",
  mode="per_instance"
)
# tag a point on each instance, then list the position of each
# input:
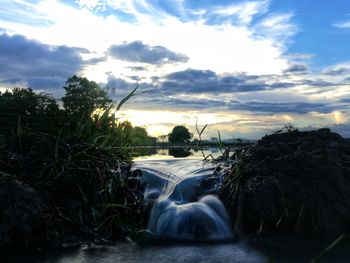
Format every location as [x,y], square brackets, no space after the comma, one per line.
[48,202]
[295,182]
[22,214]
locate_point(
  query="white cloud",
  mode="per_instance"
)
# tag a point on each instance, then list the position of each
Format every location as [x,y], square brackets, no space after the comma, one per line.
[277,27]
[222,48]
[245,11]
[345,25]
[256,45]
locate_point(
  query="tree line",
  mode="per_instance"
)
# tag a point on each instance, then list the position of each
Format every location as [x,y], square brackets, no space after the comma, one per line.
[41,112]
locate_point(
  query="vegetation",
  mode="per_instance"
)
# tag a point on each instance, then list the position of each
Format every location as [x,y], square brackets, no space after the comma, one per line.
[66,169]
[35,111]
[180,134]
[138,136]
[83,97]
[290,182]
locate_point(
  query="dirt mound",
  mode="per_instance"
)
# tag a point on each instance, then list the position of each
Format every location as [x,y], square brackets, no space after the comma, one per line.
[22,214]
[61,193]
[294,182]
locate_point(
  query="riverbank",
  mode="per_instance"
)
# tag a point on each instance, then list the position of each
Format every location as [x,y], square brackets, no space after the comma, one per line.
[64,169]
[290,182]
[88,195]
[277,248]
[78,193]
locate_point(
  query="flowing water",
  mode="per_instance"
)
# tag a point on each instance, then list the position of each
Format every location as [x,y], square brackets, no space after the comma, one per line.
[180,195]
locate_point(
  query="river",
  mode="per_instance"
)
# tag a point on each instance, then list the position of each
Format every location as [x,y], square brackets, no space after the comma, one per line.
[186,211]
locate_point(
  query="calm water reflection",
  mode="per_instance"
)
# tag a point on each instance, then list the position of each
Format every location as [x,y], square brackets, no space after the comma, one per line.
[141,153]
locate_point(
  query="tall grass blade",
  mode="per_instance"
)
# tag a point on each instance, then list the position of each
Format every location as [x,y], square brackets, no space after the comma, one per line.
[57,146]
[203,129]
[125,99]
[331,246]
[19,133]
[220,144]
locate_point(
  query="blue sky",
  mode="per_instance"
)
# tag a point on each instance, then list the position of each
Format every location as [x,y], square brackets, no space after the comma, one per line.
[243,67]
[318,34]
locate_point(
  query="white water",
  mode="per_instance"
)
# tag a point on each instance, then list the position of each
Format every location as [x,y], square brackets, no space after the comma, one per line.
[183,207]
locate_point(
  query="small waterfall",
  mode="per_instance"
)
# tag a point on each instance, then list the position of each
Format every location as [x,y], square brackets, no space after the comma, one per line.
[180,194]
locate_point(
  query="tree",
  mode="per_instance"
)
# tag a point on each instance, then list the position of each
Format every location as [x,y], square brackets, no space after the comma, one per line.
[24,107]
[179,134]
[139,136]
[83,97]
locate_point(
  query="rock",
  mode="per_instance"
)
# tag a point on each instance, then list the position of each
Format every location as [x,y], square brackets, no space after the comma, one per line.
[293,182]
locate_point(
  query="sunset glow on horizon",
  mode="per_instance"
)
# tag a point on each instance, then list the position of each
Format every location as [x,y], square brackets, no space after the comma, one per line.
[242,67]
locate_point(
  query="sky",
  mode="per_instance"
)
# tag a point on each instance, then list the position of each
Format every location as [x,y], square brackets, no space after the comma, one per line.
[245,68]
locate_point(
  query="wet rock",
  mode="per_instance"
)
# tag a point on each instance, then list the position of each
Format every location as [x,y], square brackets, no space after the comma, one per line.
[294,182]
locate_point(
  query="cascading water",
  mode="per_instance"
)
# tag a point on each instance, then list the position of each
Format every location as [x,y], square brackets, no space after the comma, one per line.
[180,196]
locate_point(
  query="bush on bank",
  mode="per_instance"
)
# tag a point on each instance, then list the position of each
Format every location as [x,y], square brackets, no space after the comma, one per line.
[64,171]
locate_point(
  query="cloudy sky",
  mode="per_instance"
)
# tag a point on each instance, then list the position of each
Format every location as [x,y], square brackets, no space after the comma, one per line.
[243,67]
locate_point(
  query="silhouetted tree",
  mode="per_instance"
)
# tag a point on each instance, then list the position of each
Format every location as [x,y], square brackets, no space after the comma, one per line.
[83,97]
[28,109]
[139,136]
[179,134]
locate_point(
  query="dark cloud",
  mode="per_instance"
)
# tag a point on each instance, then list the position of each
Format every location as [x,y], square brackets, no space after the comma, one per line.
[257,107]
[44,82]
[281,107]
[37,64]
[317,83]
[206,81]
[179,89]
[337,71]
[296,69]
[191,74]
[119,88]
[117,85]
[94,61]
[193,81]
[343,129]
[146,101]
[138,52]
[137,68]
[345,100]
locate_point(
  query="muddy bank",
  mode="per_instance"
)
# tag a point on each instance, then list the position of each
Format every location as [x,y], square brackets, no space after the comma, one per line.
[56,194]
[290,182]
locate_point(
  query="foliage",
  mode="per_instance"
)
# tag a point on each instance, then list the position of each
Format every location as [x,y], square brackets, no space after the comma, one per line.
[139,136]
[83,97]
[35,111]
[136,136]
[77,159]
[180,134]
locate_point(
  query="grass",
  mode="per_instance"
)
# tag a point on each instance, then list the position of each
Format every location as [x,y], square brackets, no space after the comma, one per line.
[78,167]
[292,181]
[329,248]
